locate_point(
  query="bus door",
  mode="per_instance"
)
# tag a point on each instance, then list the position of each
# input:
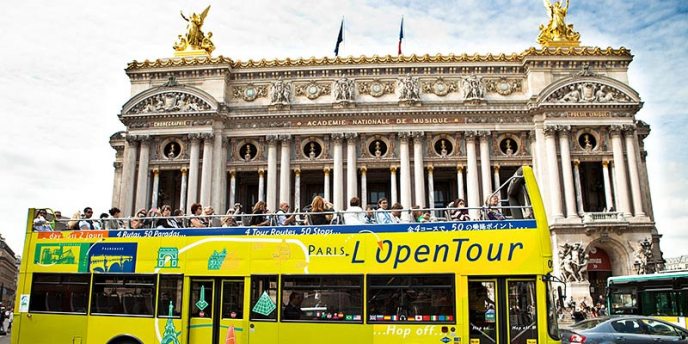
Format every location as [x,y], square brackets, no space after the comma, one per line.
[502,310]
[217,310]
[263,309]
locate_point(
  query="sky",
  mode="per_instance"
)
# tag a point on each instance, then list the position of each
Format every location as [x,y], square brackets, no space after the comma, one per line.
[62,79]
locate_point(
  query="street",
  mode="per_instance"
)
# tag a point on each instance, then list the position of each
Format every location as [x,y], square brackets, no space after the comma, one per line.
[5,339]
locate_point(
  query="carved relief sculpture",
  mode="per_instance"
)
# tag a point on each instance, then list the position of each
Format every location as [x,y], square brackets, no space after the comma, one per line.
[503,86]
[312,90]
[343,90]
[250,92]
[170,102]
[376,88]
[573,262]
[588,92]
[280,92]
[409,88]
[473,88]
[440,87]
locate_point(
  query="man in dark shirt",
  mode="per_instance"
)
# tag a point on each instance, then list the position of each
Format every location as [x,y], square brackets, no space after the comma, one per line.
[292,311]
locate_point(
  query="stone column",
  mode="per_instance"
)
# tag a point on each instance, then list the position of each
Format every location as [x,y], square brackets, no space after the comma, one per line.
[555,210]
[615,187]
[620,177]
[117,185]
[219,173]
[405,170]
[272,172]
[364,187]
[142,179]
[223,199]
[156,186]
[607,185]
[569,191]
[419,181]
[472,186]
[393,183]
[459,181]
[297,189]
[351,171]
[338,171]
[629,134]
[128,173]
[194,161]
[495,176]
[431,187]
[485,164]
[326,183]
[577,184]
[232,188]
[533,149]
[261,184]
[207,169]
[285,170]
[182,192]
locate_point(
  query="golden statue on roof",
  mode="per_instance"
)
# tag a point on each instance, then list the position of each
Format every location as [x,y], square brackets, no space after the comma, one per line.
[557,33]
[194,42]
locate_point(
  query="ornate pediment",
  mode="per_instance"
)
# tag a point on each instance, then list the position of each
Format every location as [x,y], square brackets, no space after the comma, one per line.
[588,92]
[167,102]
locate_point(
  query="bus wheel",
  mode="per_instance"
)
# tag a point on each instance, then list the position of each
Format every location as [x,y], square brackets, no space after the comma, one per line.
[124,340]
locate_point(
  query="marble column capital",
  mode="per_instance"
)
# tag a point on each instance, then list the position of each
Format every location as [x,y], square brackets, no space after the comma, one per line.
[404,136]
[206,136]
[550,130]
[271,139]
[576,162]
[496,167]
[297,171]
[351,137]
[484,135]
[117,165]
[327,170]
[184,170]
[459,168]
[284,138]
[261,172]
[605,163]
[628,129]
[393,168]
[232,173]
[156,171]
[132,139]
[194,137]
[337,137]
[363,169]
[430,168]
[564,129]
[615,130]
[470,134]
[417,136]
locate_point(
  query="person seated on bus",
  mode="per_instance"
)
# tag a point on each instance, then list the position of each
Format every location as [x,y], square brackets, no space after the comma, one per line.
[197,221]
[282,218]
[73,223]
[114,222]
[370,215]
[179,218]
[354,215]
[396,212]
[40,224]
[258,217]
[478,302]
[167,221]
[228,220]
[418,216]
[86,223]
[292,311]
[319,215]
[459,211]
[492,212]
[381,214]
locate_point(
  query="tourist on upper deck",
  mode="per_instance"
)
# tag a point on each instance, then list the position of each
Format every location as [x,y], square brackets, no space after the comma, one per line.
[370,215]
[282,218]
[396,212]
[492,211]
[381,214]
[354,215]
[167,221]
[259,218]
[73,223]
[115,221]
[197,221]
[60,221]
[86,223]
[103,220]
[459,211]
[40,224]
[137,222]
[418,215]
[228,220]
[213,221]
[179,218]
[318,214]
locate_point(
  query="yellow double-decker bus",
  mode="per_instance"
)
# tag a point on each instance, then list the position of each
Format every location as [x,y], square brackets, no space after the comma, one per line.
[479,281]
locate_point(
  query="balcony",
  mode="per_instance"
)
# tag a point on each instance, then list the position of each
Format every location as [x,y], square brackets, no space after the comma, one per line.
[604,217]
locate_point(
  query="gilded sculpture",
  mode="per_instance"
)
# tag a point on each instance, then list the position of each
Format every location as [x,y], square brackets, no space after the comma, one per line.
[194,41]
[557,33]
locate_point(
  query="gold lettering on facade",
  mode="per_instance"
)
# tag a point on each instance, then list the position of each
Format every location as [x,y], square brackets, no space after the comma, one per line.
[589,114]
[171,124]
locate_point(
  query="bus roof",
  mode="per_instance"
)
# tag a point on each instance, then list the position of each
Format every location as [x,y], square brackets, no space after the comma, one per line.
[645,278]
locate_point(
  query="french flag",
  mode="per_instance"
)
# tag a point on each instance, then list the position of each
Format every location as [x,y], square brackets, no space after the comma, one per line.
[401,35]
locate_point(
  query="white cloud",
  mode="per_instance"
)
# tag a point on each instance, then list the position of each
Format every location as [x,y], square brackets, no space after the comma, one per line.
[62,79]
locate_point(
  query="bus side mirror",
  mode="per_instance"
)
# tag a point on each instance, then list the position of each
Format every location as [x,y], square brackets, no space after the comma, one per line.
[561,295]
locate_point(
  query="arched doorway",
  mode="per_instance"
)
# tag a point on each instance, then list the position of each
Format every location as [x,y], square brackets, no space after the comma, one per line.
[599,269]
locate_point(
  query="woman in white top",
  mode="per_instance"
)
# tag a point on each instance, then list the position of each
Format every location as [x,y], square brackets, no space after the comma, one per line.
[354,215]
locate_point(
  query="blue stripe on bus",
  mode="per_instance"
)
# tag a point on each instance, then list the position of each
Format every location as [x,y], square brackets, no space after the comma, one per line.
[328,229]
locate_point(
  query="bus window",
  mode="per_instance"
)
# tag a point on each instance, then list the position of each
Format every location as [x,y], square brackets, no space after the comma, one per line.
[623,302]
[659,302]
[482,314]
[170,290]
[411,298]
[123,294]
[322,298]
[59,293]
[233,299]
[264,297]
[522,315]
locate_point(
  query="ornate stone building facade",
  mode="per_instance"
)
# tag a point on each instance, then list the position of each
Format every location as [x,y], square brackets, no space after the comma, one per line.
[419,130]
